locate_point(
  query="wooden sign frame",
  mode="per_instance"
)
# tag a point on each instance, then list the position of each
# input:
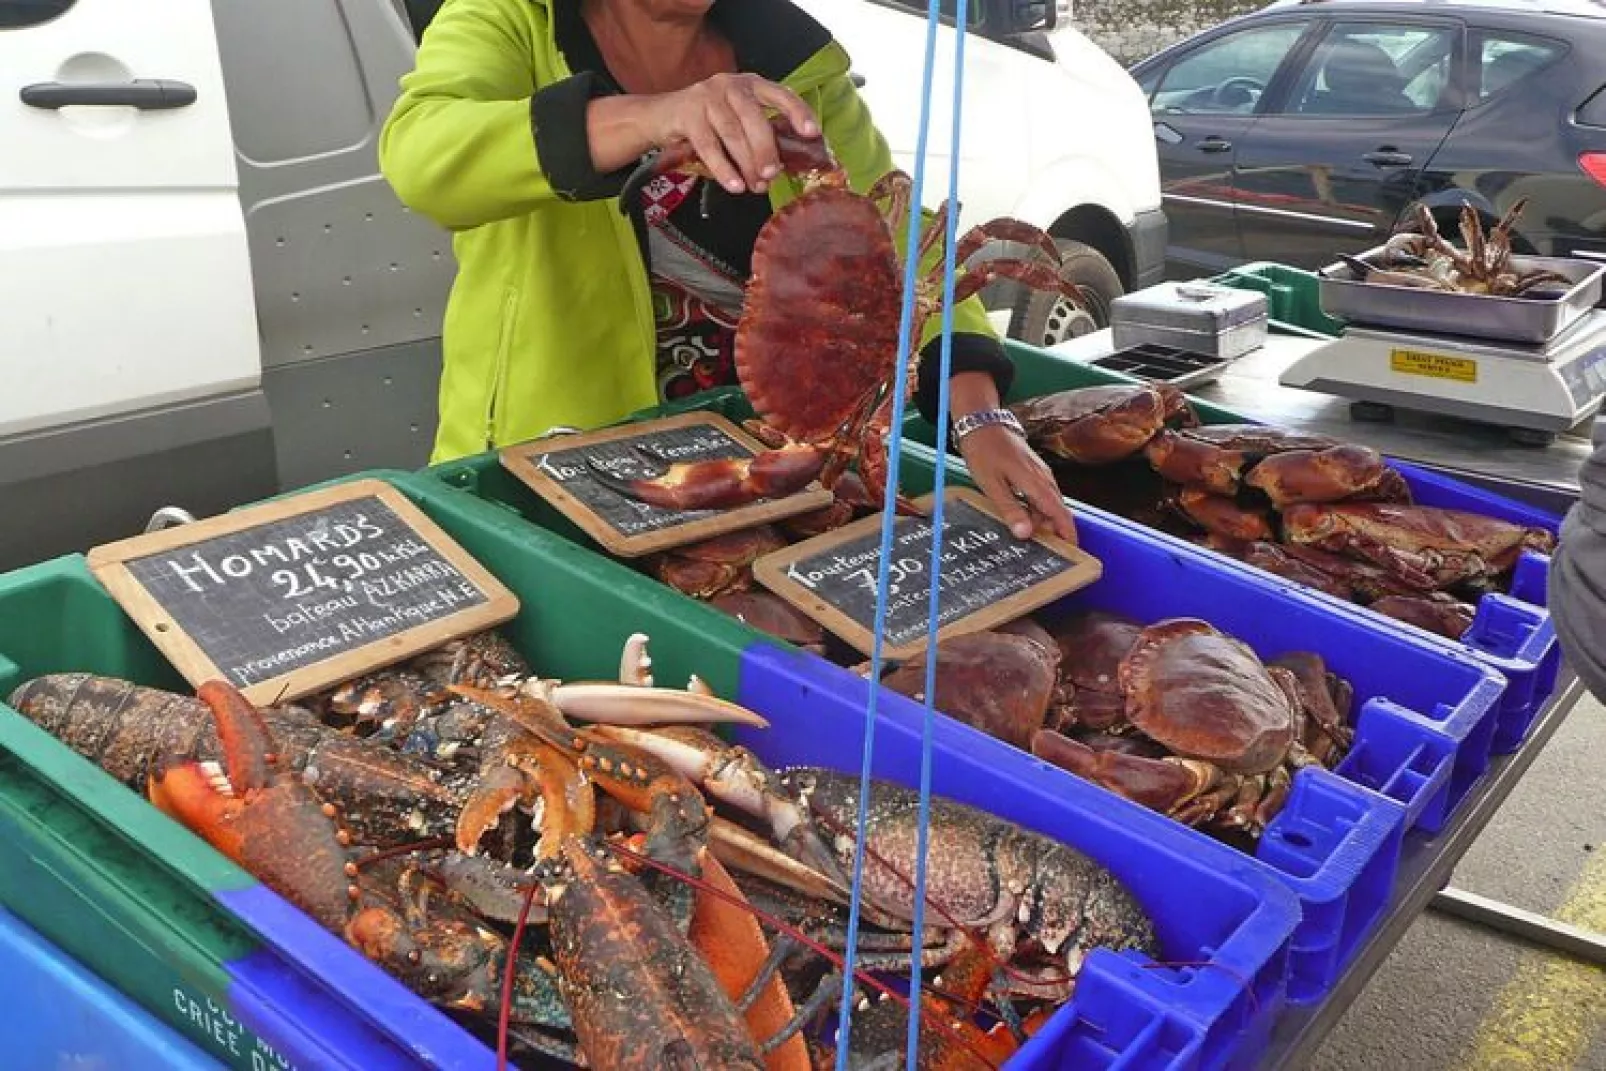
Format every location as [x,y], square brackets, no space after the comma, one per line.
[110,565]
[519,460]
[771,572]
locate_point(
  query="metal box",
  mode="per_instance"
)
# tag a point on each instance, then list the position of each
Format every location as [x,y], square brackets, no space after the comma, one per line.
[1217,321]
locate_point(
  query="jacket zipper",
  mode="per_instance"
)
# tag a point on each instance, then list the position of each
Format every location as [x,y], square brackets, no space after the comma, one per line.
[504,341]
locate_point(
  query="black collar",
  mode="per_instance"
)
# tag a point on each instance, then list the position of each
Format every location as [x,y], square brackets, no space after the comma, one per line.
[771,38]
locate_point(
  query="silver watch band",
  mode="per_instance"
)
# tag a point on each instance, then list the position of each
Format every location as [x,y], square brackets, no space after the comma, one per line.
[986,418]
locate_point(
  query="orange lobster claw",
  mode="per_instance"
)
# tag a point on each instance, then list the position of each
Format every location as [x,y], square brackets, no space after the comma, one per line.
[266,821]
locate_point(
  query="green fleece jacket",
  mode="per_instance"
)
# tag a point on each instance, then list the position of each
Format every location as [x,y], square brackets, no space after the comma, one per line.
[550,318]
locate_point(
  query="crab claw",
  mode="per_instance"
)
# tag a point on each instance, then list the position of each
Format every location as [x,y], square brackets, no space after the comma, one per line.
[1186,789]
[269,823]
[621,704]
[722,483]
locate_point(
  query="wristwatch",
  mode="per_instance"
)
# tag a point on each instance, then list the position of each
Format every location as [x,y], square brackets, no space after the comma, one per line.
[986,418]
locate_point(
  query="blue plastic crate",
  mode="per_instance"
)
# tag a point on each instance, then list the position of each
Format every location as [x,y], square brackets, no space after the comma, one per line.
[1226,917]
[1529,661]
[1424,715]
[1519,639]
[58,1014]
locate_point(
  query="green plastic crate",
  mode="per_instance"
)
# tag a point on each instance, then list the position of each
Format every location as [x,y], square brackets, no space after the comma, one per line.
[182,931]
[1293,297]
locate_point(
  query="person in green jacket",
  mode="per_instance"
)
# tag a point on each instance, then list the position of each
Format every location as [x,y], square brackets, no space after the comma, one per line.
[517,130]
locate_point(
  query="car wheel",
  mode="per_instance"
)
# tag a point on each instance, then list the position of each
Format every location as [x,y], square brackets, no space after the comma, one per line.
[1044,318]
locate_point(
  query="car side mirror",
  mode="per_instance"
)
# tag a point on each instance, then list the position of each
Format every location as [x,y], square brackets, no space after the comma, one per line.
[1024,16]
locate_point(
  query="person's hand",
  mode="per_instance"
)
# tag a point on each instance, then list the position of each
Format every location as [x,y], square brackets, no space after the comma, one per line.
[723,118]
[1019,484]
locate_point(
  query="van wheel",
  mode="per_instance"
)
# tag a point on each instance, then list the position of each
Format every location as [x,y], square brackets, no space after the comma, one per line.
[1042,318]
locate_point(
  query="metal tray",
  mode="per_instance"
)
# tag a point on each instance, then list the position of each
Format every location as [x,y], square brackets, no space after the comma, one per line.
[1181,368]
[1512,319]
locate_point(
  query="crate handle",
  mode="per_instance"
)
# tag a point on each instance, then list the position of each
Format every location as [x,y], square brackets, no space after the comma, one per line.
[169,517]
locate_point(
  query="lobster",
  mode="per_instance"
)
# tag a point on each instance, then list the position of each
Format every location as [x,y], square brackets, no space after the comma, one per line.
[701,983]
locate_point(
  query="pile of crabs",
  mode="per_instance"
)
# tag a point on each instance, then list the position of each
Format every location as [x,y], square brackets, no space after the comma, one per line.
[632,892]
[1176,715]
[1327,514]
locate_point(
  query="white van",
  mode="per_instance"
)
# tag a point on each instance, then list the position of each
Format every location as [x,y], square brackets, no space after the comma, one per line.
[208,292]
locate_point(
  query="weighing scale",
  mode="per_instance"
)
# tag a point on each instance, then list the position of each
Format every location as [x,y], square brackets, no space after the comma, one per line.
[1534,391]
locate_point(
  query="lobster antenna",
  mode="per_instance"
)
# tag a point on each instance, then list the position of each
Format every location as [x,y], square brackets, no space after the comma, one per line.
[889,510]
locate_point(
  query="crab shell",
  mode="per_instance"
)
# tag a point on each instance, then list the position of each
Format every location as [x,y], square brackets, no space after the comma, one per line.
[1091,646]
[998,682]
[1285,466]
[717,565]
[1101,425]
[824,260]
[1436,613]
[1206,695]
[772,614]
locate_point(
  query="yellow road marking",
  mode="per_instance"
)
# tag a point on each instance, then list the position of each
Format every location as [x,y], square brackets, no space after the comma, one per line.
[1548,1014]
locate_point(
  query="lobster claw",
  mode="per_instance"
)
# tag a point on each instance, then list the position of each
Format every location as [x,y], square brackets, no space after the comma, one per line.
[267,821]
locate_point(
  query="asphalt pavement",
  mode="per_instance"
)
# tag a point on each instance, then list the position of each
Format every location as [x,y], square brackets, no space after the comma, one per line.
[1454,995]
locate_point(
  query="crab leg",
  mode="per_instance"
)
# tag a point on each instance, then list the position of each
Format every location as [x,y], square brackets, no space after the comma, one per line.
[1005,229]
[735,776]
[1028,273]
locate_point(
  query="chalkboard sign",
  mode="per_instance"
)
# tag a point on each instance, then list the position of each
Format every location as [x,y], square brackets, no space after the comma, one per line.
[988,576]
[559,469]
[287,597]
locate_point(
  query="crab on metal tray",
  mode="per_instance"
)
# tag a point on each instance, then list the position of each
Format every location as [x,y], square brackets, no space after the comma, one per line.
[817,342]
[1424,260]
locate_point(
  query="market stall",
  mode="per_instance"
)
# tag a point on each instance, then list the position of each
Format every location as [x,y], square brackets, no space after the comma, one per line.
[679,737]
[1408,803]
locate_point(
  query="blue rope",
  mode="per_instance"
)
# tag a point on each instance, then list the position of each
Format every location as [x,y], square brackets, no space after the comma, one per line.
[888,515]
[949,268]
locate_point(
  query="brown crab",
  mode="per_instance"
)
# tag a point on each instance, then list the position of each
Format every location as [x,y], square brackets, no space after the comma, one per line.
[1101,425]
[1285,466]
[772,614]
[1232,728]
[817,348]
[1091,646]
[1218,514]
[1425,548]
[718,565]
[1483,267]
[1003,683]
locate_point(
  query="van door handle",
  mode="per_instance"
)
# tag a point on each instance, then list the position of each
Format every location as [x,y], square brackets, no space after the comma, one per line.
[856,78]
[1387,156]
[145,94]
[1214,144]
